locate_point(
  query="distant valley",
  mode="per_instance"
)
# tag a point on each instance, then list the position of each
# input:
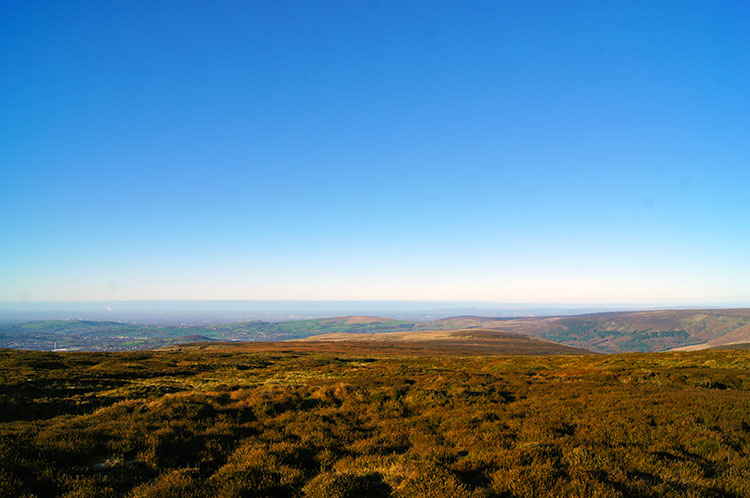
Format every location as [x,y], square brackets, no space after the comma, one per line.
[616,332]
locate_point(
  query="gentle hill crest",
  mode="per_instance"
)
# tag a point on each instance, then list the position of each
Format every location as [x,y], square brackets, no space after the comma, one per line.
[461,341]
[421,336]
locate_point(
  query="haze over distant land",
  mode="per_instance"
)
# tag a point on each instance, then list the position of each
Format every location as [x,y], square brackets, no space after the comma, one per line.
[195,312]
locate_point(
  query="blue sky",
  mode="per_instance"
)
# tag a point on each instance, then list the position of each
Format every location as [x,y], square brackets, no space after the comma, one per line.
[496,151]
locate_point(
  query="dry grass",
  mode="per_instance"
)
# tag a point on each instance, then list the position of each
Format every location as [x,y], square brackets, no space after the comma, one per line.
[333,424]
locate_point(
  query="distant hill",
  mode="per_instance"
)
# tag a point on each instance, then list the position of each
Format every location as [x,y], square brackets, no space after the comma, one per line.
[638,330]
[614,332]
[470,341]
[632,331]
[466,342]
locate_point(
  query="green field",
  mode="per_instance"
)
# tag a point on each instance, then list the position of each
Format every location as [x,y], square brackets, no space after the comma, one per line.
[236,422]
[116,336]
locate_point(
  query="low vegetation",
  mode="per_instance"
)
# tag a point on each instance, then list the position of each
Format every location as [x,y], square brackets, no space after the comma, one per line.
[212,421]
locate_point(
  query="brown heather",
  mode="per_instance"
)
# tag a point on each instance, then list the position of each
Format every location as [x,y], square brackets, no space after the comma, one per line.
[231,423]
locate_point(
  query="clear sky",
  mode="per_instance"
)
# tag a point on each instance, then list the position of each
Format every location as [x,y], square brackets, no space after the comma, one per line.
[502,151]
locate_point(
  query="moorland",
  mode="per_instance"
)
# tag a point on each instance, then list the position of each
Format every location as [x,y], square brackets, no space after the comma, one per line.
[374,418]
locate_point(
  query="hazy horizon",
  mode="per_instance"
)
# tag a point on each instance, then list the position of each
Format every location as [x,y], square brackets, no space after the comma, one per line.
[195,312]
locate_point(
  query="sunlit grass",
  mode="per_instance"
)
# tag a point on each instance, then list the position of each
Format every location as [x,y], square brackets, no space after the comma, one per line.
[193,423]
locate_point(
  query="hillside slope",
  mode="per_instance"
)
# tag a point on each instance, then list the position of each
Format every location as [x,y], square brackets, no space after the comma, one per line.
[463,341]
[740,346]
[632,331]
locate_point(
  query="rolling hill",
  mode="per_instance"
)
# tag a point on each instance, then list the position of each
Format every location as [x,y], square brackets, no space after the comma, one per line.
[614,332]
[636,331]
[466,342]
[617,332]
